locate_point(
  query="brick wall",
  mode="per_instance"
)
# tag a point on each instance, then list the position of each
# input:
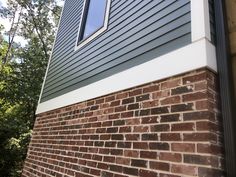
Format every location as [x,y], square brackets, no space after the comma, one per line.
[168,128]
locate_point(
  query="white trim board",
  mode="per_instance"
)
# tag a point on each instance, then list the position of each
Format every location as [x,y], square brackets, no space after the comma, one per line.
[196,55]
[200,20]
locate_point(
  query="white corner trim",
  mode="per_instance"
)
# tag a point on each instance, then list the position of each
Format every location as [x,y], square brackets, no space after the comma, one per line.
[97,33]
[193,56]
[49,61]
[200,20]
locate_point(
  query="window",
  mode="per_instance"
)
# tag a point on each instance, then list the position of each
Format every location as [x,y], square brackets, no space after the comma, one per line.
[94,20]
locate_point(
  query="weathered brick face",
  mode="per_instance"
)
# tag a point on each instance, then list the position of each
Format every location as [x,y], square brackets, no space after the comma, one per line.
[167,128]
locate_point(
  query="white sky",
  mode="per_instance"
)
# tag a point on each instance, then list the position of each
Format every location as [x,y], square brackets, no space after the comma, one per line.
[7,24]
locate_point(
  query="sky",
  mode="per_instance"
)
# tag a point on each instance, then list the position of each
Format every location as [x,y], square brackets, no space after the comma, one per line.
[7,24]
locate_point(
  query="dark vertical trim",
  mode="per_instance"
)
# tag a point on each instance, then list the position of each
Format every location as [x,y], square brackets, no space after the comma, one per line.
[226,87]
[84,19]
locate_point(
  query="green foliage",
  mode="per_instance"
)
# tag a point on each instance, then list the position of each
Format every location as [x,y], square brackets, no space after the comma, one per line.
[21,77]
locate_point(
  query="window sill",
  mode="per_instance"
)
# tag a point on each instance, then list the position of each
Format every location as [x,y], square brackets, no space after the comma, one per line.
[90,38]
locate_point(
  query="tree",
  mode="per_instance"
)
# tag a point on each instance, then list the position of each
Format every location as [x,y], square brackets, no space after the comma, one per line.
[21,75]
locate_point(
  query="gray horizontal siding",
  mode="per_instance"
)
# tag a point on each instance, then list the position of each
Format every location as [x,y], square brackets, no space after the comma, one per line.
[138,31]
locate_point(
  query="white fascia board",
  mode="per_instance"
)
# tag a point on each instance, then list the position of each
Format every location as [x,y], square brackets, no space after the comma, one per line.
[196,55]
[200,20]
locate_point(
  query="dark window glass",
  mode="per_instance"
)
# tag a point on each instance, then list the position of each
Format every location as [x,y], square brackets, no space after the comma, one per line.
[93,18]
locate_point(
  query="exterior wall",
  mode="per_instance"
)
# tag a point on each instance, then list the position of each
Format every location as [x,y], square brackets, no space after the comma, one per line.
[138,31]
[167,128]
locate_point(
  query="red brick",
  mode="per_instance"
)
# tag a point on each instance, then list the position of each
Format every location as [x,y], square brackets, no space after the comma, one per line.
[168,175]
[161,94]
[172,157]
[182,90]
[141,128]
[121,108]
[201,85]
[115,103]
[203,172]
[195,78]
[130,171]
[116,168]
[170,118]
[128,100]
[122,161]
[150,137]
[140,145]
[132,137]
[159,146]
[149,104]
[107,123]
[183,127]
[122,95]
[149,120]
[143,112]
[135,92]
[114,116]
[204,104]
[124,144]
[183,147]
[105,137]
[99,101]
[110,98]
[108,110]
[209,149]
[116,151]
[151,88]
[170,84]
[119,122]
[160,128]
[170,137]
[138,163]
[142,97]
[112,130]
[131,153]
[182,107]
[133,121]
[133,106]
[146,173]
[148,154]
[102,166]
[197,159]
[170,100]
[160,110]
[194,96]
[199,137]
[160,166]
[199,116]
[124,129]
[106,174]
[90,103]
[127,114]
[184,169]
[117,175]
[206,126]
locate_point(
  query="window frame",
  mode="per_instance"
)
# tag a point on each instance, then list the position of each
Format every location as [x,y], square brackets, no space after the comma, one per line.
[80,43]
